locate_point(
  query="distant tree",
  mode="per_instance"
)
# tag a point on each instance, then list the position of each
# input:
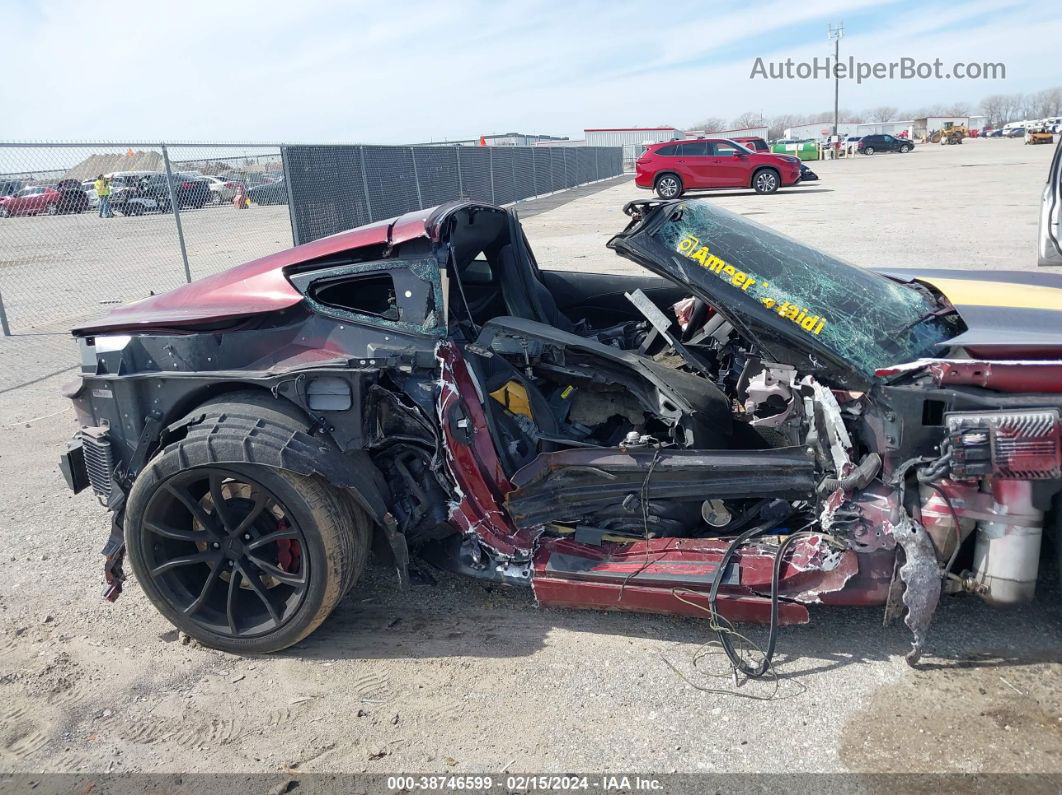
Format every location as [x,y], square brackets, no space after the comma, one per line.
[777,126]
[1053,100]
[882,113]
[1044,103]
[710,124]
[1014,109]
[994,107]
[957,109]
[747,119]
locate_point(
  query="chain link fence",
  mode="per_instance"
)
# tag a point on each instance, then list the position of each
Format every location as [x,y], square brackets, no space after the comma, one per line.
[66,252]
[179,212]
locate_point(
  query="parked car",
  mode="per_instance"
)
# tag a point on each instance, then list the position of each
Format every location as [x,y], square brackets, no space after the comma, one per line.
[870,144]
[1016,132]
[753,144]
[995,134]
[34,200]
[151,193]
[269,193]
[123,183]
[813,433]
[72,196]
[9,187]
[674,167]
[221,189]
[89,186]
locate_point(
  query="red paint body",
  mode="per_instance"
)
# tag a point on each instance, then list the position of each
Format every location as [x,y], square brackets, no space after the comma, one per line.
[31,205]
[657,575]
[474,464]
[1001,376]
[728,169]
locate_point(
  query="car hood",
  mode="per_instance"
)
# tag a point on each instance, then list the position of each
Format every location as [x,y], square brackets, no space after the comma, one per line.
[262,284]
[1006,313]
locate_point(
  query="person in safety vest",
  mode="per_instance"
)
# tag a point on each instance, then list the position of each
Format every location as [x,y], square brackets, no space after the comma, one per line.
[103,191]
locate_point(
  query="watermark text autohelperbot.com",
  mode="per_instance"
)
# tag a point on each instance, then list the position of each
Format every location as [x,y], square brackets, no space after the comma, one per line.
[900,69]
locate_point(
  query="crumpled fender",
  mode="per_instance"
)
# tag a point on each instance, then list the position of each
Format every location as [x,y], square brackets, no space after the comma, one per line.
[238,438]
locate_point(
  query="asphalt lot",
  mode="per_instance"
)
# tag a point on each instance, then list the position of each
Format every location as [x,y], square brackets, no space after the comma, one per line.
[459,676]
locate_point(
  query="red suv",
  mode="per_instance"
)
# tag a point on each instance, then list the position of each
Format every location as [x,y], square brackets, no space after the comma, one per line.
[673,167]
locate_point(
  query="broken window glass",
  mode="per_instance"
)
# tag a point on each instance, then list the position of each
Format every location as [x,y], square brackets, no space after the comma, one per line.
[860,316]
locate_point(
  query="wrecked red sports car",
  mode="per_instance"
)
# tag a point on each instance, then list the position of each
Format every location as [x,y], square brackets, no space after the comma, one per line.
[749,428]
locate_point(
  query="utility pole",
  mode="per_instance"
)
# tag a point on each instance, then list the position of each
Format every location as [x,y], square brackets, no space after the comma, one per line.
[835,33]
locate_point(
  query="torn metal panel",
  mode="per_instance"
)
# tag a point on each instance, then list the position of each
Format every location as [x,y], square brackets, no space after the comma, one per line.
[473,461]
[921,577]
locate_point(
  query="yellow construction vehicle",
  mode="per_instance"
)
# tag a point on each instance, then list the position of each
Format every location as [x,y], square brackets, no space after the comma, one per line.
[951,134]
[1038,135]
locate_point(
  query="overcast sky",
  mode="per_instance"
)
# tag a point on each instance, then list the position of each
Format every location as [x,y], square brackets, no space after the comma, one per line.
[329,71]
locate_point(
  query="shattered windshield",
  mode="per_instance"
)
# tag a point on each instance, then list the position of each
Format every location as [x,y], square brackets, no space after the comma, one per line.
[860,316]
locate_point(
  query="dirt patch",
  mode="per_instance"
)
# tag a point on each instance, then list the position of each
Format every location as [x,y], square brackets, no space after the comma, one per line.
[990,714]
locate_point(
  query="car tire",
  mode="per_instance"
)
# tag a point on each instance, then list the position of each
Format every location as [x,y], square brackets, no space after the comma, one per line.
[135,209]
[868,150]
[766,180]
[4,212]
[53,209]
[244,593]
[905,149]
[668,186]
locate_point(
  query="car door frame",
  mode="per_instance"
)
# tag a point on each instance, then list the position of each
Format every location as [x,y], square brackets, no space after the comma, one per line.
[697,172]
[1049,235]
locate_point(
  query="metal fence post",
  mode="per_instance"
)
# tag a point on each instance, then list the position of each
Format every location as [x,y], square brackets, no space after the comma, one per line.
[416,177]
[3,318]
[597,166]
[534,174]
[490,162]
[174,205]
[295,237]
[460,180]
[365,183]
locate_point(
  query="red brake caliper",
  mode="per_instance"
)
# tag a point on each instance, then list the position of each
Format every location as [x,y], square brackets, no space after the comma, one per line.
[288,550]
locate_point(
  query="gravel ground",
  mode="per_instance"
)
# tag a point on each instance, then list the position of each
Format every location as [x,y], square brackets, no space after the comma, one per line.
[459,676]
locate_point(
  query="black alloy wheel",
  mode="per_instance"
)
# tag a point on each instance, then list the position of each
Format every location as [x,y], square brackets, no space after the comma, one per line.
[223,551]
